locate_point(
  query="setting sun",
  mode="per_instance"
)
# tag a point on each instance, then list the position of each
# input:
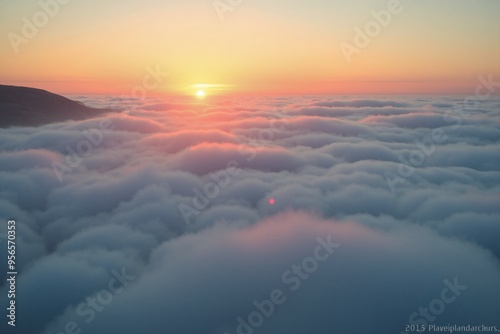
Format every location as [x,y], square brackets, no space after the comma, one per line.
[200,93]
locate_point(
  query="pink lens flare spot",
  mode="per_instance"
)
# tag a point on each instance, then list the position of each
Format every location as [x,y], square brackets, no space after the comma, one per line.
[271,201]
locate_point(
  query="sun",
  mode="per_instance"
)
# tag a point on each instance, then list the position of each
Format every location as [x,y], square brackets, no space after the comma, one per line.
[200,93]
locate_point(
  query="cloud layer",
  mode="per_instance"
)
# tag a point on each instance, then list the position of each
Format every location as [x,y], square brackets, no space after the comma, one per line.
[177,195]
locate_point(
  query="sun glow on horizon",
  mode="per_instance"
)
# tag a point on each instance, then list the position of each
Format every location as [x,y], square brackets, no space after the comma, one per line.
[200,94]
[280,48]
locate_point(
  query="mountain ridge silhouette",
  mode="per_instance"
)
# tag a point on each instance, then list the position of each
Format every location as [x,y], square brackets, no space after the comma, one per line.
[26,106]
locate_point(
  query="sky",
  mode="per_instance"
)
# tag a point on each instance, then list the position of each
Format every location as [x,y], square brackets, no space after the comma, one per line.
[254,47]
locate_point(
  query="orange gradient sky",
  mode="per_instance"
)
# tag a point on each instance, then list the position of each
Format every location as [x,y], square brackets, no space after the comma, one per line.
[261,47]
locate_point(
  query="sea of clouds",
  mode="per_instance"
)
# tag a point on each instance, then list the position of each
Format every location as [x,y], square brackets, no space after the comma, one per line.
[185,217]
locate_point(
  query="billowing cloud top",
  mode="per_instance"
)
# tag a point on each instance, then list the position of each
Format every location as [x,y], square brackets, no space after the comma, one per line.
[256,215]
